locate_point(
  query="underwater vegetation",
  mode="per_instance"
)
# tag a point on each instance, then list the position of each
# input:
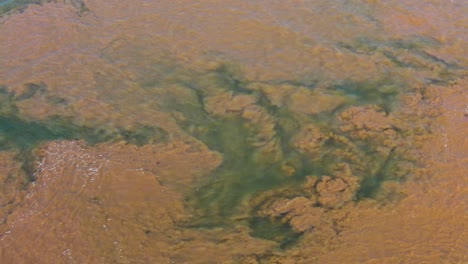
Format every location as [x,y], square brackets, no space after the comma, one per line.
[330,145]
[7,6]
[22,135]
[11,5]
[282,142]
[17,132]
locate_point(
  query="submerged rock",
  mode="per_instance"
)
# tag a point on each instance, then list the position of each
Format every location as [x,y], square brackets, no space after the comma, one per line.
[310,140]
[313,102]
[334,193]
[365,118]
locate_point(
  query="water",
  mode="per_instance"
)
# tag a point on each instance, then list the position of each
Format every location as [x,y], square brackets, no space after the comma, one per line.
[5,2]
[292,114]
[9,5]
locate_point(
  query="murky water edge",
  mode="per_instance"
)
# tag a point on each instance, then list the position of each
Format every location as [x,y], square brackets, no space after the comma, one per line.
[247,132]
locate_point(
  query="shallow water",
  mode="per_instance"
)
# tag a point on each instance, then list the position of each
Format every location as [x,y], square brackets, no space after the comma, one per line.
[243,132]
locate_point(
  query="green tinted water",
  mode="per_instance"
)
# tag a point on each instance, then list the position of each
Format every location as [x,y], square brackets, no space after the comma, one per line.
[255,162]
[9,5]
[20,133]
[248,169]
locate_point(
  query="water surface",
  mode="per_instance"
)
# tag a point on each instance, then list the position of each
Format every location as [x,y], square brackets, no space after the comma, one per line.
[255,129]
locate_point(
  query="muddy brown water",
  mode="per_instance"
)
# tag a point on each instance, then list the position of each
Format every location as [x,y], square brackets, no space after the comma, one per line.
[233,132]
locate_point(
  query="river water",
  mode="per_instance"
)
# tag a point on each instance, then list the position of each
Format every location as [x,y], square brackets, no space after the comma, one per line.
[233,132]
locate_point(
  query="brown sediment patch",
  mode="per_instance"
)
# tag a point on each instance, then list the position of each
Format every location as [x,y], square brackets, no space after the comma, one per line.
[334,193]
[310,140]
[87,44]
[221,104]
[115,203]
[94,65]
[313,102]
